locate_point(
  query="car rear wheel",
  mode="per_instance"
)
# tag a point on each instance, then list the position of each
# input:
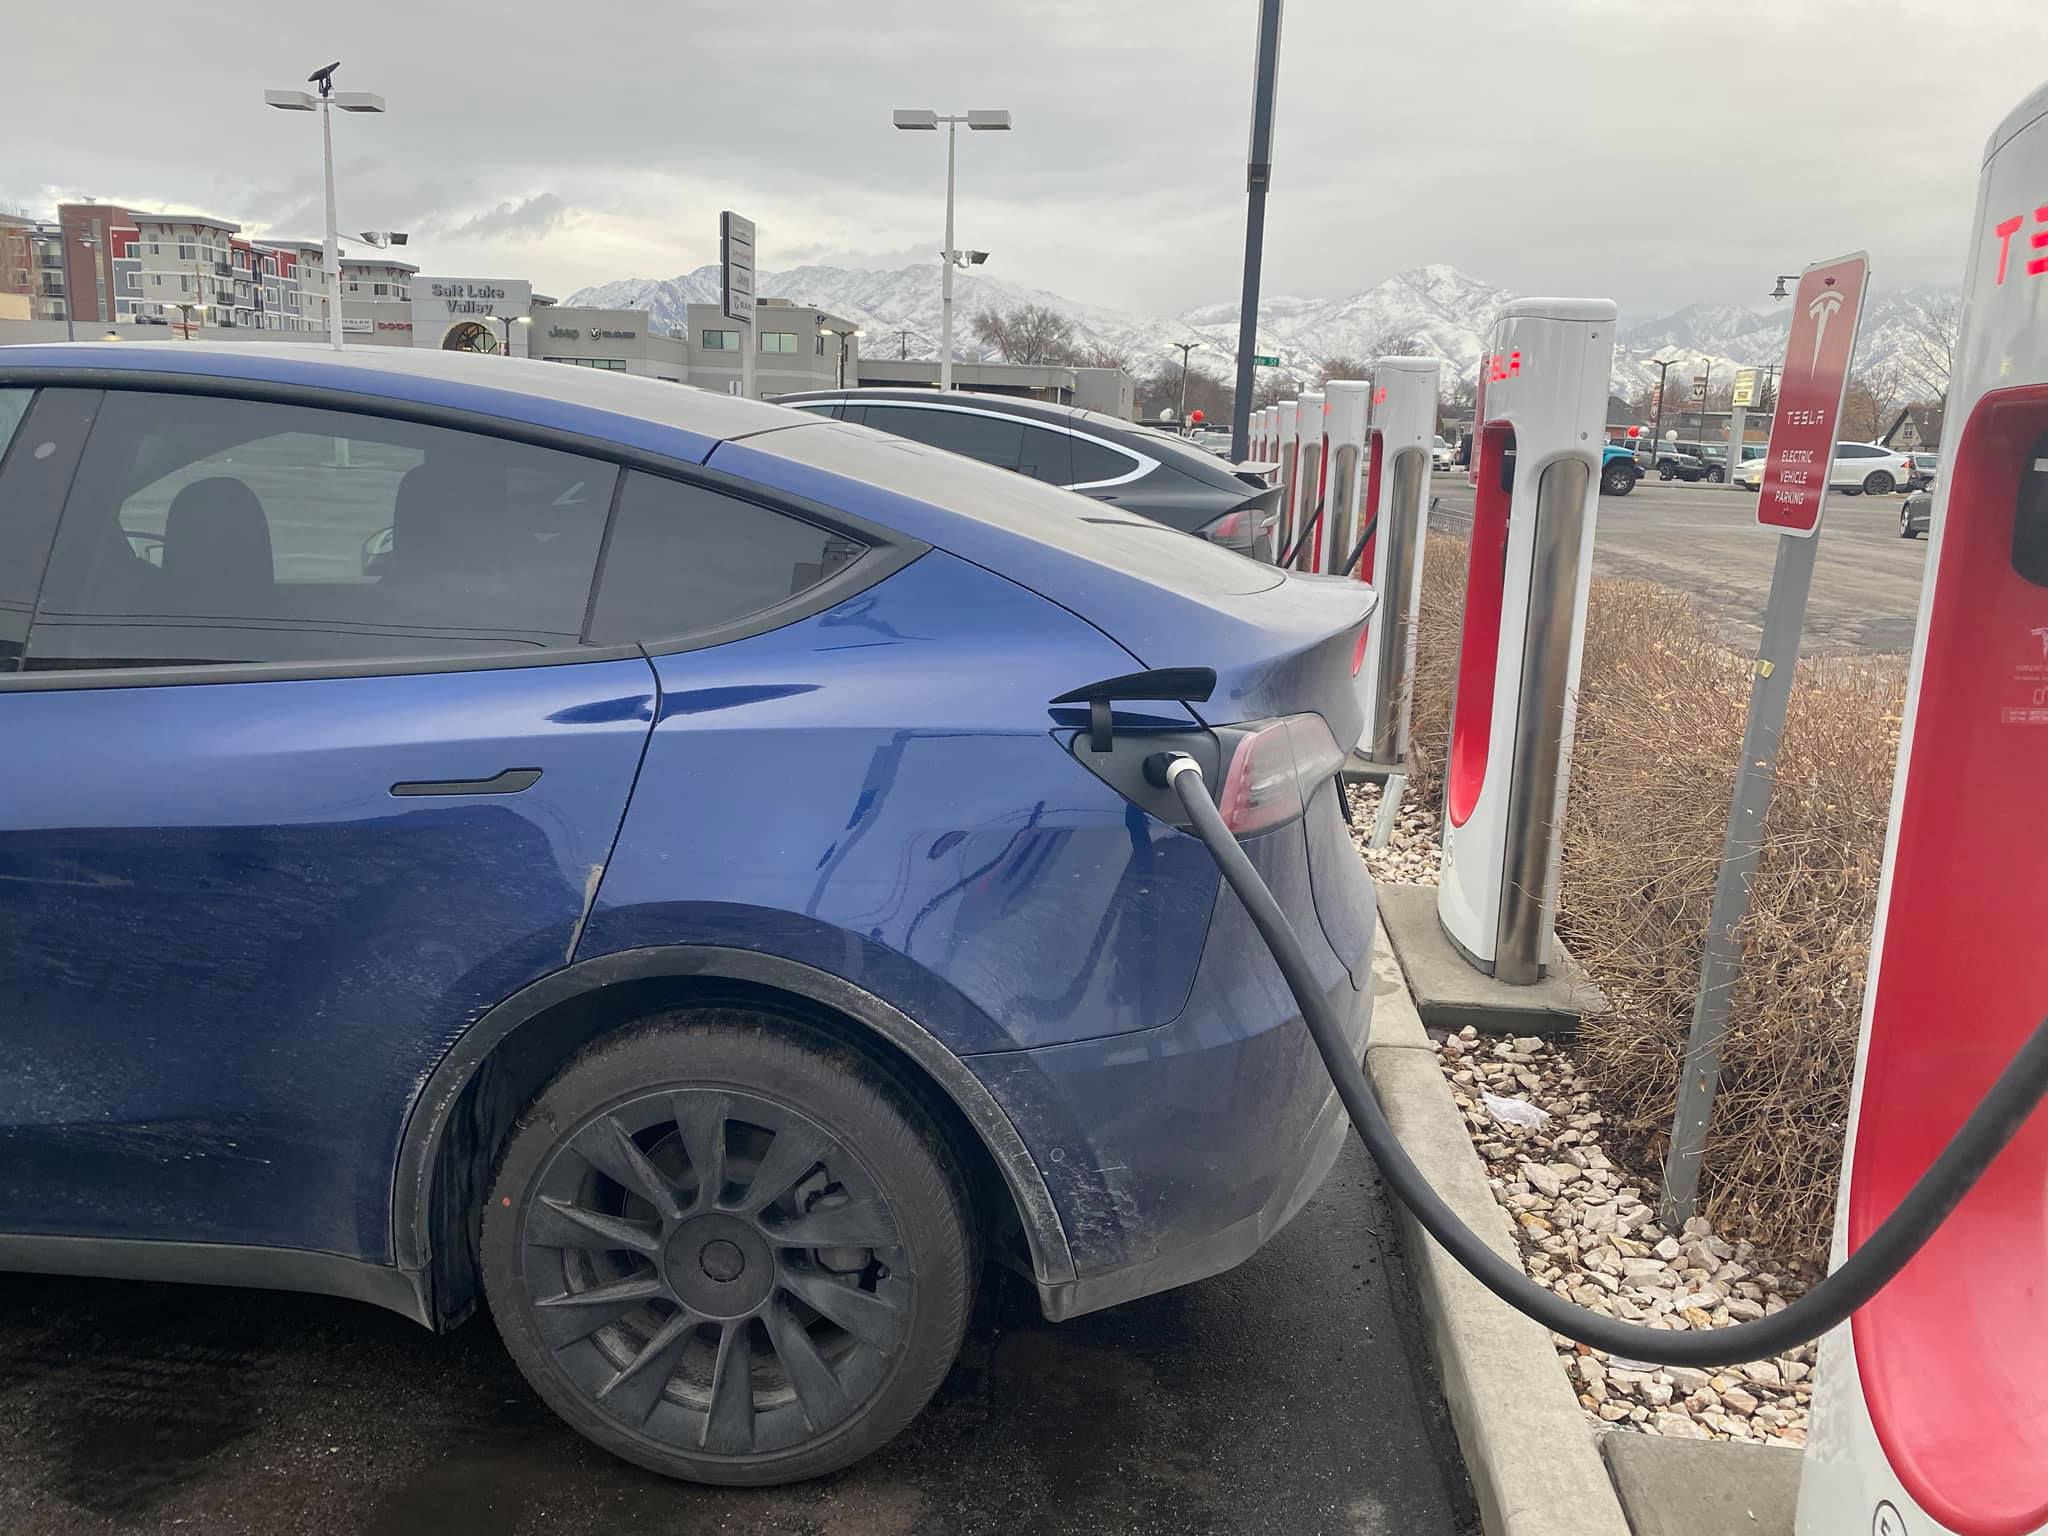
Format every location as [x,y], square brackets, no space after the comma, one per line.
[1715,477]
[1878,483]
[729,1249]
[1617,480]
[1905,524]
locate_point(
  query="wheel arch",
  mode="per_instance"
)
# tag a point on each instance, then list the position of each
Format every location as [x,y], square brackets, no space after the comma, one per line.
[469,1101]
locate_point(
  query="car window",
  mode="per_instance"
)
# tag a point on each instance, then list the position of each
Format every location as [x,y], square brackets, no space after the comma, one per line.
[1855,451]
[1096,462]
[37,452]
[815,407]
[1046,454]
[997,440]
[684,558]
[203,531]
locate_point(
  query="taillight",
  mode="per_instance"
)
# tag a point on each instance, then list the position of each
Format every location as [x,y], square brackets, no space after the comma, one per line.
[1229,526]
[1275,766]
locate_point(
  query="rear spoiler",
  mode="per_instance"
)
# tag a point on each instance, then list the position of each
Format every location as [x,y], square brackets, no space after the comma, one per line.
[1253,472]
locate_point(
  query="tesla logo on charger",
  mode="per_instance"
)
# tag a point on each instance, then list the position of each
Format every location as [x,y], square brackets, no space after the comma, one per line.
[2042,636]
[2038,240]
[1508,366]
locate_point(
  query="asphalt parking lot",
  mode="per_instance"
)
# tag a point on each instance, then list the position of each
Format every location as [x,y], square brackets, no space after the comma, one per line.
[1289,1395]
[1703,540]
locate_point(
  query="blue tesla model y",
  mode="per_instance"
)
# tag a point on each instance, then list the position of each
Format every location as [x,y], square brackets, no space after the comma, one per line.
[672,869]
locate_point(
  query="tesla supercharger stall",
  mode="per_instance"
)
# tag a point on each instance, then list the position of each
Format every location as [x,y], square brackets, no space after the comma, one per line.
[1932,1408]
[1289,460]
[1394,507]
[1537,465]
[1347,403]
[1309,446]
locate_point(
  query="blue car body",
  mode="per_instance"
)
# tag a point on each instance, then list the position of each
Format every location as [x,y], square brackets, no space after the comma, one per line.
[265,976]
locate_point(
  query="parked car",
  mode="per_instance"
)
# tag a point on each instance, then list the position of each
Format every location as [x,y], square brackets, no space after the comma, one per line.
[1619,471]
[1857,467]
[677,899]
[1921,468]
[1152,473]
[1441,454]
[1916,514]
[1673,464]
[1872,467]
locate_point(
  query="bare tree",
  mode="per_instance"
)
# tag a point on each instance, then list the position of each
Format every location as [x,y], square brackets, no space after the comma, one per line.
[1211,396]
[1872,403]
[1105,354]
[1928,355]
[1032,334]
[1342,368]
[1395,344]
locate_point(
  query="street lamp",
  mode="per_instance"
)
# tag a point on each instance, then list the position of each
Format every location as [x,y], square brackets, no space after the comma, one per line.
[508,321]
[1784,278]
[842,332]
[923,118]
[1185,348]
[348,101]
[1662,369]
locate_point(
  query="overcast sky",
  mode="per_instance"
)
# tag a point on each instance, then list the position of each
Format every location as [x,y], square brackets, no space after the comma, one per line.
[1656,153]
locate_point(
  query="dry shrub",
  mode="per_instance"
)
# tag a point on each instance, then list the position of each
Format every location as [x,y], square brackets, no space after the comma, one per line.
[1660,716]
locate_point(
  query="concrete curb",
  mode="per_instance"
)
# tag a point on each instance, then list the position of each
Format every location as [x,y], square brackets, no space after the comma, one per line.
[1534,1466]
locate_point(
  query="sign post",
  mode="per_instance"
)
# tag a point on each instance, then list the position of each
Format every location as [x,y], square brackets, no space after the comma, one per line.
[736,287]
[1795,487]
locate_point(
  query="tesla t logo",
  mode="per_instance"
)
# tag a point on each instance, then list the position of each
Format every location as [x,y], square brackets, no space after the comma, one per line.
[2038,240]
[1823,310]
[2042,636]
[1499,367]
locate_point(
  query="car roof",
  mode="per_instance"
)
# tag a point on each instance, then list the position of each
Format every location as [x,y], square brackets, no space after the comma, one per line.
[1013,405]
[678,420]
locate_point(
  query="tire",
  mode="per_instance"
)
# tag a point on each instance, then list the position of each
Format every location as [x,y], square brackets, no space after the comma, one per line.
[1878,483]
[845,1337]
[1617,480]
[1715,477]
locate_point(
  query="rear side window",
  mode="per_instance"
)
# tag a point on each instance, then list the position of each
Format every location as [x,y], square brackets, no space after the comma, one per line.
[1096,462]
[997,440]
[37,452]
[685,558]
[204,531]
[1046,455]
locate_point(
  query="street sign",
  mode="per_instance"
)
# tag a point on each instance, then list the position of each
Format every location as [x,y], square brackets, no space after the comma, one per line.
[1260,360]
[736,267]
[1699,386]
[1825,314]
[1745,388]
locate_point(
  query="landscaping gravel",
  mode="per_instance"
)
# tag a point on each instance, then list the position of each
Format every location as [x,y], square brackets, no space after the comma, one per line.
[1411,856]
[1586,1229]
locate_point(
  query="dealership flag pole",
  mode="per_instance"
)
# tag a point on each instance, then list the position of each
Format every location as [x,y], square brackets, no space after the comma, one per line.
[1793,491]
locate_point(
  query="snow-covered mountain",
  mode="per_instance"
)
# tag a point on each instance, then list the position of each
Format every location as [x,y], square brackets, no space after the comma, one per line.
[1438,309]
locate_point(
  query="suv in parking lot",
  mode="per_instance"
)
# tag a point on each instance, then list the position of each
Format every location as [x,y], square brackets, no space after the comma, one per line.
[678,888]
[1168,479]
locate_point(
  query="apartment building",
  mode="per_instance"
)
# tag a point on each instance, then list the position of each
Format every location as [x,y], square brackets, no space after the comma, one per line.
[185,272]
[302,269]
[99,261]
[376,300]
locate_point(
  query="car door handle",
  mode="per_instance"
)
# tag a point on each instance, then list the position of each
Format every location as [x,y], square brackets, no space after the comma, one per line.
[509,782]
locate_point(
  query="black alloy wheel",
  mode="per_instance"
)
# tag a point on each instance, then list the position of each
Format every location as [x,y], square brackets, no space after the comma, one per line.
[729,1252]
[1879,483]
[1617,480]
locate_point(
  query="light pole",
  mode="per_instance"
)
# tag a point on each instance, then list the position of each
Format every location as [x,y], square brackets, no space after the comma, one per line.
[348,101]
[1185,348]
[842,332]
[923,118]
[1657,431]
[508,321]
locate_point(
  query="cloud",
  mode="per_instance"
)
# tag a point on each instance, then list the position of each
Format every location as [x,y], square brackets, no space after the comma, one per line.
[541,214]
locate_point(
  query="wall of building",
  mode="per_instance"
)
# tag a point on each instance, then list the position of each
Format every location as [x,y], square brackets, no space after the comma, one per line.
[821,339]
[614,339]
[1108,390]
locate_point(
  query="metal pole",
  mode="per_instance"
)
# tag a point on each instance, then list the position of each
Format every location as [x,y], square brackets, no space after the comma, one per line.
[1777,658]
[1185,348]
[333,256]
[1258,176]
[946,279]
[1657,431]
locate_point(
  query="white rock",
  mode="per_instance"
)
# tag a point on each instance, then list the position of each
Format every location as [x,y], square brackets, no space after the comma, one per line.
[1739,1400]
[1667,1250]
[1678,1425]
[1542,1178]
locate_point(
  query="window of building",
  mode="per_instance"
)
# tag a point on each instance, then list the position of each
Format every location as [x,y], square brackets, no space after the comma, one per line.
[353,286]
[778,341]
[216,531]
[185,251]
[685,558]
[155,249]
[608,364]
[821,344]
[721,341]
[380,290]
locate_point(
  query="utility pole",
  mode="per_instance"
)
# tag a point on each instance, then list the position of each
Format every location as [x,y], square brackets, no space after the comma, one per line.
[1185,348]
[1657,431]
[903,345]
[1258,176]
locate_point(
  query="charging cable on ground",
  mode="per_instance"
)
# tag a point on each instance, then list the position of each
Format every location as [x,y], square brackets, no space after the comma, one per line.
[1993,1123]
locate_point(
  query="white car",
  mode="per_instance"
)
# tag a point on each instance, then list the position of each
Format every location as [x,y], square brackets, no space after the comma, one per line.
[1441,454]
[1857,467]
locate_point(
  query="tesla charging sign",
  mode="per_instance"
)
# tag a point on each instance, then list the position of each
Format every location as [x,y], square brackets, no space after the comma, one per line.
[1825,314]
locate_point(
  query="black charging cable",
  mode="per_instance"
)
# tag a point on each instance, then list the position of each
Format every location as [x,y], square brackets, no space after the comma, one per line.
[1991,1125]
